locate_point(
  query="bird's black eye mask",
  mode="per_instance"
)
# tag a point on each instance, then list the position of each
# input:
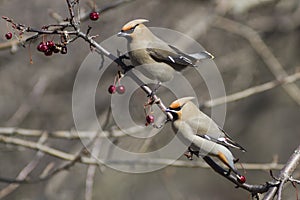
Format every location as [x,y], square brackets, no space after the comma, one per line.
[175,109]
[178,108]
[130,30]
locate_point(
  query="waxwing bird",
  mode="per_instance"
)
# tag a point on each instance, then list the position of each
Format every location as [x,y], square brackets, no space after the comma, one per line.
[157,59]
[203,134]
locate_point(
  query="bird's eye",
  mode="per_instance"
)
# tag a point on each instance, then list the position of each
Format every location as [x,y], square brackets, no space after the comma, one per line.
[129,31]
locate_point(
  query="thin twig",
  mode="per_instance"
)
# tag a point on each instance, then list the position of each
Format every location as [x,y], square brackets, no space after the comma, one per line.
[86,160]
[69,135]
[32,100]
[26,170]
[294,180]
[105,8]
[60,20]
[78,157]
[251,91]
[89,183]
[71,5]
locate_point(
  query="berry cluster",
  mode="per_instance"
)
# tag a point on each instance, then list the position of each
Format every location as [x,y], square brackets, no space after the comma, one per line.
[49,47]
[119,89]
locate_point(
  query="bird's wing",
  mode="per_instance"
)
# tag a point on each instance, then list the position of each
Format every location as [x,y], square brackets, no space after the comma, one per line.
[208,129]
[226,139]
[195,56]
[169,57]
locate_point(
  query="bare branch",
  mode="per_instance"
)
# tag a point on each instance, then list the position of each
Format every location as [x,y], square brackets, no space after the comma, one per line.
[291,179]
[262,50]
[40,147]
[72,134]
[253,189]
[86,160]
[26,170]
[251,91]
[89,183]
[285,174]
[33,98]
[71,5]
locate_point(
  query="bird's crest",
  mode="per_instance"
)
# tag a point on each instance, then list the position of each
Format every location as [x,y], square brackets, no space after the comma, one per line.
[180,102]
[132,24]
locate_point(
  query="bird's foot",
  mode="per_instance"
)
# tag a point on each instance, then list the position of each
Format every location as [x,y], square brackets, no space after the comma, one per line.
[149,102]
[190,153]
[228,172]
[236,160]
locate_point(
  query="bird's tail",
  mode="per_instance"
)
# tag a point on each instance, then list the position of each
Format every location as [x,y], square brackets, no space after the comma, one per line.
[202,55]
[229,142]
[227,158]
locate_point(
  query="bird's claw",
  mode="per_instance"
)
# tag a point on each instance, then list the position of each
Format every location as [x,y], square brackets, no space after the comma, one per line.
[227,173]
[189,154]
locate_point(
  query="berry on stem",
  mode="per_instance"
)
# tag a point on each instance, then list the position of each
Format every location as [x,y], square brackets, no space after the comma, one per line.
[112,89]
[150,119]
[94,16]
[50,44]
[121,89]
[42,47]
[8,35]
[241,179]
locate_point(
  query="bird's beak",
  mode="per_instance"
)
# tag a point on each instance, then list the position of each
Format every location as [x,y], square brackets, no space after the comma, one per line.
[122,34]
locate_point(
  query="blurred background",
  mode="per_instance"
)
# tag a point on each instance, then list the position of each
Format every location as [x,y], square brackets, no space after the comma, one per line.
[39,95]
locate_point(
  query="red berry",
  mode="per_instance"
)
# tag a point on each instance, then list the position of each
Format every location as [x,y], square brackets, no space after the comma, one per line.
[64,50]
[112,89]
[241,179]
[150,119]
[42,47]
[50,44]
[121,89]
[8,35]
[94,16]
[48,52]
